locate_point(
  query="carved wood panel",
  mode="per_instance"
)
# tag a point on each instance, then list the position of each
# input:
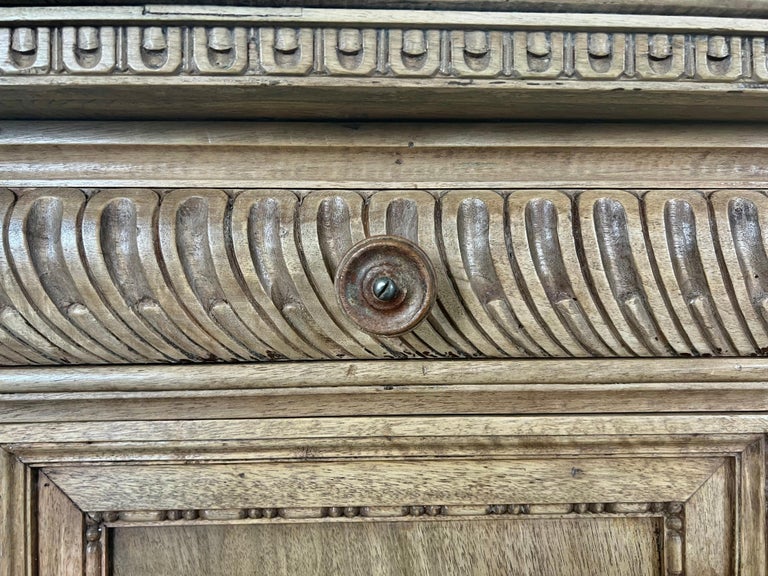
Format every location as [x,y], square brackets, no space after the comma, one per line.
[700,510]
[206,56]
[348,49]
[209,41]
[133,275]
[160,244]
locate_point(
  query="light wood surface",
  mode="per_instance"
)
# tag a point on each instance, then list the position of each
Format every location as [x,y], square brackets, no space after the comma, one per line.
[675,496]
[15,522]
[586,546]
[380,483]
[32,436]
[62,531]
[741,8]
[265,63]
[276,15]
[583,273]
[58,395]
[700,488]
[364,155]
[714,555]
[557,413]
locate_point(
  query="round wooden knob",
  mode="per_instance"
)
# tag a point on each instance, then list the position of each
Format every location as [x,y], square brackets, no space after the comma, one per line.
[386,285]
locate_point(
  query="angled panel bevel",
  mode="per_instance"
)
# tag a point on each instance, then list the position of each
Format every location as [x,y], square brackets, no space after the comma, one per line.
[388,483]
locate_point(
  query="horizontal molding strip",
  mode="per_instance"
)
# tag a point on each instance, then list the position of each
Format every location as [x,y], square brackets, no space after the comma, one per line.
[725,373]
[412,136]
[301,429]
[407,45]
[136,276]
[202,62]
[410,513]
[373,156]
[168,13]
[735,8]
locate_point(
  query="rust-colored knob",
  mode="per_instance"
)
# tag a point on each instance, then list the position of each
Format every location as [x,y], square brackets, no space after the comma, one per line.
[386,285]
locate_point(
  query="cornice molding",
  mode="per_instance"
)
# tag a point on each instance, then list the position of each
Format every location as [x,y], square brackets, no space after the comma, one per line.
[387,44]
[735,8]
[311,52]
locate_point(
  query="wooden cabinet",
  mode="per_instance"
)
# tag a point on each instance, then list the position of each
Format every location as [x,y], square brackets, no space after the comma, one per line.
[444,495]
[187,388]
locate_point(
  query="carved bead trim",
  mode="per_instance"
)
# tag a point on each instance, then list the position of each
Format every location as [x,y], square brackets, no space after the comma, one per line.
[672,512]
[132,276]
[674,535]
[286,50]
[94,543]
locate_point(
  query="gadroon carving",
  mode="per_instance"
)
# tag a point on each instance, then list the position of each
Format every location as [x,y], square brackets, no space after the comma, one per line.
[134,276]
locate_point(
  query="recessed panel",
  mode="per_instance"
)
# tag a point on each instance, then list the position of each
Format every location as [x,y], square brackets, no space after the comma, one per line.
[619,546]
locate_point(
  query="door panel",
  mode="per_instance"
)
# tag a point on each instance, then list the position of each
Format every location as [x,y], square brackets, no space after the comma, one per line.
[579,546]
[639,504]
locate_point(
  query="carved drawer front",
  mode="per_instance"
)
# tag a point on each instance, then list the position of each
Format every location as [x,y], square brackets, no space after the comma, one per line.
[644,505]
[137,275]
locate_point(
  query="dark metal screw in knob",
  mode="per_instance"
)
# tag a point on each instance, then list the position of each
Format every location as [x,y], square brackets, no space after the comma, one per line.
[385,285]
[385,289]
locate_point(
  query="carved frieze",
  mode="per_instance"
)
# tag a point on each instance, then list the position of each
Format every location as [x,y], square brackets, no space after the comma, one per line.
[134,275]
[200,50]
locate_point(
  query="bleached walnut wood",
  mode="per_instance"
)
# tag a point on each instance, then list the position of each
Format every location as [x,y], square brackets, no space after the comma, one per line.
[61,529]
[46,436]
[692,490]
[287,485]
[514,547]
[249,275]
[743,8]
[517,61]
[332,388]
[372,156]
[546,418]
[16,543]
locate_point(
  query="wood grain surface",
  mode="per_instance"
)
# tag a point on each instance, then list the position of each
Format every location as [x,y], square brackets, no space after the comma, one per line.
[380,483]
[695,519]
[546,418]
[674,504]
[371,156]
[16,523]
[62,532]
[620,547]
